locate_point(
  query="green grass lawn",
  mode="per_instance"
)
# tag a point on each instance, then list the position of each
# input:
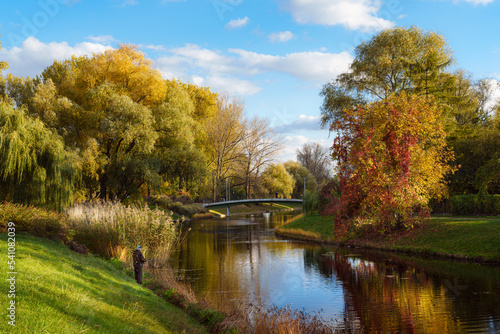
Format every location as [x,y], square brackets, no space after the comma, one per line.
[250,208]
[477,238]
[60,291]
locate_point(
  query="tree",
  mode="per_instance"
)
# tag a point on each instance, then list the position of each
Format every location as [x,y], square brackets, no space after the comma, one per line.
[101,105]
[300,173]
[225,132]
[277,179]
[35,168]
[393,61]
[316,159]
[3,66]
[392,159]
[259,147]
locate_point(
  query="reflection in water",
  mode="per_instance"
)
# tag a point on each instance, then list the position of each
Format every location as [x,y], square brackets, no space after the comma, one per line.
[241,260]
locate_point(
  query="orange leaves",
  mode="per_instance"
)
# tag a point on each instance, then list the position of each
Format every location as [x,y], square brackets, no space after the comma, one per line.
[392,159]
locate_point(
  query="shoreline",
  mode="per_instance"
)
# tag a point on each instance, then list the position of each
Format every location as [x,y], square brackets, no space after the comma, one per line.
[382,244]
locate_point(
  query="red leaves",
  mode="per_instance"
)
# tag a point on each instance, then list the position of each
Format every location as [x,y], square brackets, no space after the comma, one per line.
[386,151]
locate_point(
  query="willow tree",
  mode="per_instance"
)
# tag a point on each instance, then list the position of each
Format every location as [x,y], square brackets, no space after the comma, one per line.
[35,167]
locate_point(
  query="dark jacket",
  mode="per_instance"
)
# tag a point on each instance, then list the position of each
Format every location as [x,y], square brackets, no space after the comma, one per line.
[138,258]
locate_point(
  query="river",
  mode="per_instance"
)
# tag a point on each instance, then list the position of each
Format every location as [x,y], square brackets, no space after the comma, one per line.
[241,260]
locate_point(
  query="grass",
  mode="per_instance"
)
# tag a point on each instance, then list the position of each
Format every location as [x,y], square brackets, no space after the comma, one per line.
[120,229]
[60,291]
[253,208]
[473,239]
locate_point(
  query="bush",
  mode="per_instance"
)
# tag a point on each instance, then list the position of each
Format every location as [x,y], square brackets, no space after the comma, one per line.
[111,229]
[180,208]
[310,202]
[34,220]
[471,205]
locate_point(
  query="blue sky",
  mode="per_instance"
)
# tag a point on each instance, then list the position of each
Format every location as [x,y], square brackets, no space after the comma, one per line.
[275,55]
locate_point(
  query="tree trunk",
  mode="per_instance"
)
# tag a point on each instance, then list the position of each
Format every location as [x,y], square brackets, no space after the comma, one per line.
[104,187]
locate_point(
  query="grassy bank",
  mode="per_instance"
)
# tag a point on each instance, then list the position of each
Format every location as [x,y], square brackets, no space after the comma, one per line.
[474,239]
[253,208]
[60,291]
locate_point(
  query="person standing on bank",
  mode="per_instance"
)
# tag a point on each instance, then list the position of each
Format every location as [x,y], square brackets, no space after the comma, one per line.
[139,260]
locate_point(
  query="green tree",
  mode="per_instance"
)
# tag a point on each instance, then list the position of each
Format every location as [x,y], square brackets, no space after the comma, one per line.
[277,179]
[35,168]
[394,60]
[300,173]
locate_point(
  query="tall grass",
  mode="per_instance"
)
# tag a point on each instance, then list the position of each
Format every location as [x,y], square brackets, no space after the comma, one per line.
[113,230]
[310,202]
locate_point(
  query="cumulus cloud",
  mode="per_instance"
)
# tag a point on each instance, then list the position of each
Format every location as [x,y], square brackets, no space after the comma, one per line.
[33,56]
[283,36]
[494,99]
[352,14]
[238,23]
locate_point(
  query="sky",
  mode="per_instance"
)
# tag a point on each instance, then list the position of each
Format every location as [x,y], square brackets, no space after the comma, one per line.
[275,55]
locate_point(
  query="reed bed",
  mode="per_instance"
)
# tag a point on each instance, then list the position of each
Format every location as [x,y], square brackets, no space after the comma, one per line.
[113,230]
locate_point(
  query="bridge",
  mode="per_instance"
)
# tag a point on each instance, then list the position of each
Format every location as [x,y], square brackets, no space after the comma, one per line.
[248,201]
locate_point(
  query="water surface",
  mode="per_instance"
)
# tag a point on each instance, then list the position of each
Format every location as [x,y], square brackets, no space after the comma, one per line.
[241,260]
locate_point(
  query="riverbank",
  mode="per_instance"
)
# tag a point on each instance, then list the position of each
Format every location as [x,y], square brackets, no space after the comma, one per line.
[60,291]
[464,239]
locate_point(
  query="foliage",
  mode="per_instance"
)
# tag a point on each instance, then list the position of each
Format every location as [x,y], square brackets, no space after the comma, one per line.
[317,160]
[121,229]
[34,220]
[35,167]
[393,61]
[277,179]
[472,205]
[328,196]
[225,132]
[392,158]
[300,173]
[310,203]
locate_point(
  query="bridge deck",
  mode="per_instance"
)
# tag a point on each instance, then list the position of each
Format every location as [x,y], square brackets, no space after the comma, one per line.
[260,200]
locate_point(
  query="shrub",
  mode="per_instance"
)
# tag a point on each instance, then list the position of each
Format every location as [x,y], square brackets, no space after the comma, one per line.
[310,202]
[470,205]
[111,229]
[37,221]
[179,207]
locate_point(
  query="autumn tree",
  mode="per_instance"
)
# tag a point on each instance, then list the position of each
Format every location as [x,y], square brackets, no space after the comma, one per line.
[258,149]
[392,159]
[102,106]
[393,61]
[277,179]
[225,132]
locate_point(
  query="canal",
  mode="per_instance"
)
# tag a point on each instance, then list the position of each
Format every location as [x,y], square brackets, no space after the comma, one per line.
[242,261]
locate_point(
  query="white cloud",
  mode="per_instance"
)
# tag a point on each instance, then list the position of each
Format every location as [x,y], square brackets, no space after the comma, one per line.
[238,23]
[127,2]
[309,66]
[33,56]
[103,39]
[352,14]
[282,36]
[154,47]
[292,143]
[495,94]
[238,66]
[303,123]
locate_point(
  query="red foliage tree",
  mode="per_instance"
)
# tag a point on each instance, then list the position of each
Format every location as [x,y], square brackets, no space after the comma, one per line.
[392,159]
